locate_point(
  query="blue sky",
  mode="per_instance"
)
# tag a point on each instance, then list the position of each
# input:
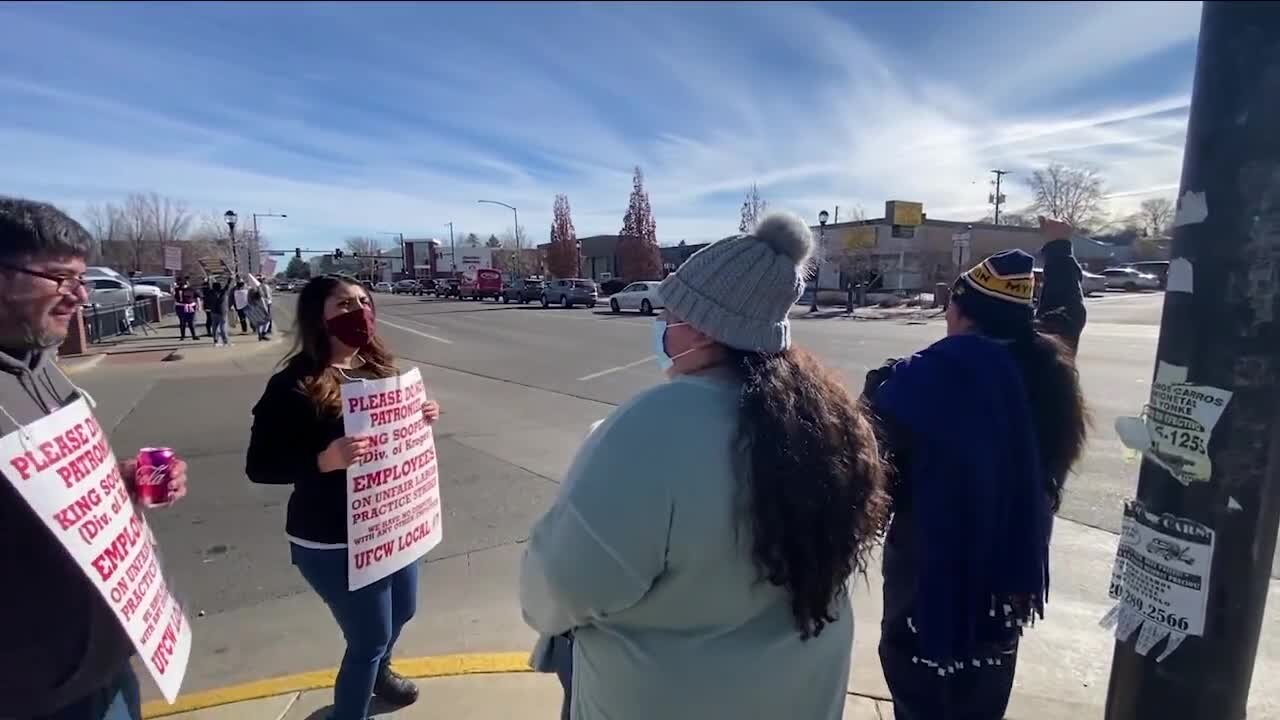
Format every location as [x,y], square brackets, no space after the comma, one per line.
[357,118]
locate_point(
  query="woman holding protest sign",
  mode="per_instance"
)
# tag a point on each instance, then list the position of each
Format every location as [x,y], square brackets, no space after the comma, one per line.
[298,439]
[701,543]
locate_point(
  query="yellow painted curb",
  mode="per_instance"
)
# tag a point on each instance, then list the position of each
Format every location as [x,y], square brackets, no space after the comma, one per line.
[422,667]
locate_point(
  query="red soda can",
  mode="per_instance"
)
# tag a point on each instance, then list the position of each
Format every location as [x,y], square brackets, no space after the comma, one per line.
[153,475]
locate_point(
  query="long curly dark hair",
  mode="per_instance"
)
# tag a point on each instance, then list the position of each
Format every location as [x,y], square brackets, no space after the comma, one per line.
[815,499]
[1058,406]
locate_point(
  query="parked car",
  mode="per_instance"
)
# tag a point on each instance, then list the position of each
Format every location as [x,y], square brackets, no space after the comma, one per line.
[642,296]
[383,287]
[1158,268]
[142,290]
[1092,283]
[569,292]
[108,291]
[523,290]
[1130,280]
[164,282]
[487,283]
[407,287]
[449,287]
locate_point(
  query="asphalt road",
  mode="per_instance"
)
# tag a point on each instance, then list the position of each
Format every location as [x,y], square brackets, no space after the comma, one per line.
[593,354]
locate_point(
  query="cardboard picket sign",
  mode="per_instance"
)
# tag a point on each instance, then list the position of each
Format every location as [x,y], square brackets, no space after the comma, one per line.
[63,467]
[393,492]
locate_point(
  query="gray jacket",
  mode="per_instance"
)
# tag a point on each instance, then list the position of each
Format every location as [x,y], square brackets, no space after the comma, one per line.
[59,641]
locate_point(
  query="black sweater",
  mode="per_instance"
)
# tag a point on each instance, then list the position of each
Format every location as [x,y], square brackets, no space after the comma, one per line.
[288,434]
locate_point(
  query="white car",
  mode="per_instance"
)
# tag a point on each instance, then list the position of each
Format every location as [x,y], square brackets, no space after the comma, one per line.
[1130,280]
[642,296]
[383,287]
[142,290]
[1092,283]
[108,291]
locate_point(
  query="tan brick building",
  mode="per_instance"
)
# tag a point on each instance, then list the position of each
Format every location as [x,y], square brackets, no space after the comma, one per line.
[911,257]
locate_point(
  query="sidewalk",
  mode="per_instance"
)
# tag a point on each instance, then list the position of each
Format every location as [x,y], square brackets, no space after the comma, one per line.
[163,342]
[452,688]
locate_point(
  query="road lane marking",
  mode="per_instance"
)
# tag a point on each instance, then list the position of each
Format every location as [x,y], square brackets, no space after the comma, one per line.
[414,321]
[628,366]
[413,331]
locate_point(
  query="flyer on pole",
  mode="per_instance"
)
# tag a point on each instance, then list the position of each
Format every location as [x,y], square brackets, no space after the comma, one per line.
[63,467]
[393,491]
[1160,578]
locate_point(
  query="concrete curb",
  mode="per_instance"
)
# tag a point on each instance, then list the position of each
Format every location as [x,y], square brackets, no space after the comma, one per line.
[433,666]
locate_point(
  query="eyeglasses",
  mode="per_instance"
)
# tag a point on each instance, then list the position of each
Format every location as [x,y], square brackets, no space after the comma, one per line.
[67,284]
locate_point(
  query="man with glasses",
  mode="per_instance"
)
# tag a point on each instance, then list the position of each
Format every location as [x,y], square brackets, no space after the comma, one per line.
[63,656]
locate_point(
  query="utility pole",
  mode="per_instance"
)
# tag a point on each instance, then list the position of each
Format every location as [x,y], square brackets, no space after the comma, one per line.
[997,198]
[1221,323]
[453,252]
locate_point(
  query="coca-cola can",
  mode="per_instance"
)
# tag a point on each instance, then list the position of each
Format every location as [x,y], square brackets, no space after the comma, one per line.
[153,475]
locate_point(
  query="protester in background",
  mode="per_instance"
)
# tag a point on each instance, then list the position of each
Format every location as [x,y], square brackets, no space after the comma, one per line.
[217,304]
[257,314]
[266,300]
[1061,310]
[983,427]
[298,439]
[63,656]
[240,301]
[186,303]
[702,540]
[207,302]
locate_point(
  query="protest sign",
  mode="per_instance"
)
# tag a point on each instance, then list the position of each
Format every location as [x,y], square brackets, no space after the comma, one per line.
[62,465]
[393,492]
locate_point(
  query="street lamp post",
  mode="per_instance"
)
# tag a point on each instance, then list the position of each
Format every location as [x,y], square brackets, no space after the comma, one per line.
[818,257]
[516,215]
[231,218]
[256,238]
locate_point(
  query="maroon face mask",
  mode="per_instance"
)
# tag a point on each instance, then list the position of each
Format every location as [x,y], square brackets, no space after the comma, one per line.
[354,329]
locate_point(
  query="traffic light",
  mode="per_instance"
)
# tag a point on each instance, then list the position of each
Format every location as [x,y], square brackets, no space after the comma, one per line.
[297,252]
[337,254]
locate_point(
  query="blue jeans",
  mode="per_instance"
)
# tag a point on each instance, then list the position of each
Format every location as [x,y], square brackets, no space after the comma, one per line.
[220,329]
[370,619]
[120,700]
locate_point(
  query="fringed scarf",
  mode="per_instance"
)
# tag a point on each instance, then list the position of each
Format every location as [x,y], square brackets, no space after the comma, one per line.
[980,515]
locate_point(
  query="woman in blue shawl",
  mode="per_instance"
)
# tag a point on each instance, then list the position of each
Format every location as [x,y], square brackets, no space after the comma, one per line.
[983,427]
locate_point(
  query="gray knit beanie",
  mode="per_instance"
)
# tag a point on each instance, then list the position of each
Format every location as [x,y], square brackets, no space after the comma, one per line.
[740,290]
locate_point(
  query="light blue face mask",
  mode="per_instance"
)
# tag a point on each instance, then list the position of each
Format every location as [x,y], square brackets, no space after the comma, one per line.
[665,361]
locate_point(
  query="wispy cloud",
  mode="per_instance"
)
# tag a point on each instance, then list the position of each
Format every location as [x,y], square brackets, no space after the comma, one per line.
[355,119]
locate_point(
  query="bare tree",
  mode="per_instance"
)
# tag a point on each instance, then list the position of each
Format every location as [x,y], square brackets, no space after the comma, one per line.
[136,217]
[1022,218]
[508,239]
[855,213]
[753,210]
[1069,193]
[1155,215]
[169,219]
[106,224]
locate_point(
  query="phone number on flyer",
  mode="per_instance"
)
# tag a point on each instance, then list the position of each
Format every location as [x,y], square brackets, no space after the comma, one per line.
[1151,610]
